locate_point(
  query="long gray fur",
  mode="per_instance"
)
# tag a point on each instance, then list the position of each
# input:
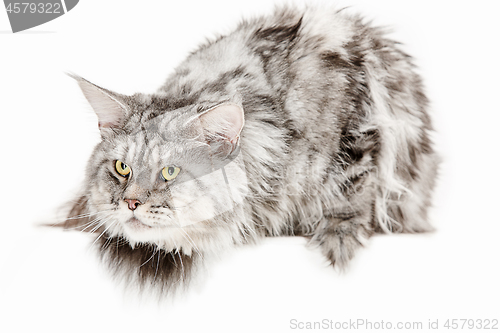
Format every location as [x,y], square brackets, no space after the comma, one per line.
[335,147]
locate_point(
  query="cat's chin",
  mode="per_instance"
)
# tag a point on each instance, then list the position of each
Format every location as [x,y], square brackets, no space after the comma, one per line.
[137,225]
[137,232]
[168,239]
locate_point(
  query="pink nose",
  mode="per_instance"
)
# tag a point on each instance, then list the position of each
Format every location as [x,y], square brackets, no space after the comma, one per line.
[132,203]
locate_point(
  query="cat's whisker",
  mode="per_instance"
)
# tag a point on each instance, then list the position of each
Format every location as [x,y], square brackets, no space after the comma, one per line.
[99,224]
[182,265]
[151,257]
[89,224]
[102,233]
[76,217]
[173,257]
[78,227]
[107,242]
[157,262]
[84,226]
[190,241]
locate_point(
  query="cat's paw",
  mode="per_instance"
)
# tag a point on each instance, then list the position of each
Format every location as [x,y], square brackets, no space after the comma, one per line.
[340,242]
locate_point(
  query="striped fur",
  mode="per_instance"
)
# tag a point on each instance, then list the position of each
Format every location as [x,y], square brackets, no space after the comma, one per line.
[335,147]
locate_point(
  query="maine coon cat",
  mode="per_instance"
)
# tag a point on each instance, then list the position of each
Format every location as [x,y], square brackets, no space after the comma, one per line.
[307,122]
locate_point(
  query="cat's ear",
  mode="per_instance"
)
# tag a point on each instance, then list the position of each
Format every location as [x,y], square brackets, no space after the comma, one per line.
[223,124]
[109,106]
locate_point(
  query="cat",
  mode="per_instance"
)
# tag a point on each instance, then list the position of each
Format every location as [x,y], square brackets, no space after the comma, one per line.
[306,122]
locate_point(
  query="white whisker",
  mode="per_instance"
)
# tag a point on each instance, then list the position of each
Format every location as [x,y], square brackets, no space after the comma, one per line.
[190,241]
[102,233]
[157,249]
[157,263]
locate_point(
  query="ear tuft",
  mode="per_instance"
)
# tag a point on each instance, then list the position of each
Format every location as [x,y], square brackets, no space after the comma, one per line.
[109,106]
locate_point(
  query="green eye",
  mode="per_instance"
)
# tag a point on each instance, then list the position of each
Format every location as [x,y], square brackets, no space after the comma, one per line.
[170,172]
[122,168]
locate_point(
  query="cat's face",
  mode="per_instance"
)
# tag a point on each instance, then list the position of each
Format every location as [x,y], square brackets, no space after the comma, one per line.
[169,179]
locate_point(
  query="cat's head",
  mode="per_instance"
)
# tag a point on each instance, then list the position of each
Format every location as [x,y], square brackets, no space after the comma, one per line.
[172,178]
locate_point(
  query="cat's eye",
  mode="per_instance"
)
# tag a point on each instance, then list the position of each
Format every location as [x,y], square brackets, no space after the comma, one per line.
[170,172]
[122,168]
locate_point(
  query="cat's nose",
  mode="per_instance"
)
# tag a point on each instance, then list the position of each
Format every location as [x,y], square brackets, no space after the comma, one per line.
[133,203]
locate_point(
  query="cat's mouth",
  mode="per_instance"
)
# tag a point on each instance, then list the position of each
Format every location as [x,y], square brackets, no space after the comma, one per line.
[136,224]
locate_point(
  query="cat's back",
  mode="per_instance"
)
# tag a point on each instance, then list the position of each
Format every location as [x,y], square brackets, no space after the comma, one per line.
[266,50]
[314,55]
[321,90]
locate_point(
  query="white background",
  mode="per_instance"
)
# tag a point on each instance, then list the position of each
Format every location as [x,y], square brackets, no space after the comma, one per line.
[51,281]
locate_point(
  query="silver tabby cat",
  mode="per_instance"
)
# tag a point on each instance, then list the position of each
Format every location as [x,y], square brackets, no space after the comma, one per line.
[306,122]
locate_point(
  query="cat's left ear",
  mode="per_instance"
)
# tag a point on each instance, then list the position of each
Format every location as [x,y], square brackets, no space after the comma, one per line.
[109,106]
[223,124]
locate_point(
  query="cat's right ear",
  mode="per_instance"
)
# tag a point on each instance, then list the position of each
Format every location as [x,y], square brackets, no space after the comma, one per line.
[109,106]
